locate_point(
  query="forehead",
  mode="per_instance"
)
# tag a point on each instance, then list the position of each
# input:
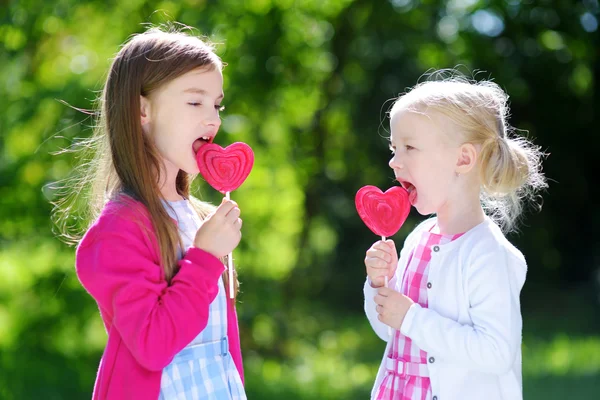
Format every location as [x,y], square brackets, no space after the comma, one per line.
[408,124]
[200,81]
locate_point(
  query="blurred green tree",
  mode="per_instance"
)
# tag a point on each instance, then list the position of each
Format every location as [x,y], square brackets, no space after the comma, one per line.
[307,84]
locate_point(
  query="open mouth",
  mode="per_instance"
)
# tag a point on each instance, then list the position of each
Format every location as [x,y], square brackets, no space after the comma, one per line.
[201,141]
[411,189]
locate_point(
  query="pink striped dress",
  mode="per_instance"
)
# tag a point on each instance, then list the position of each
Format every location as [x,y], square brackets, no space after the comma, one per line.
[407,375]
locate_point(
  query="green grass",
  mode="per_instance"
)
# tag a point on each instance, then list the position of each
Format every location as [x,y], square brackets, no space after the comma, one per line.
[565,387]
[51,340]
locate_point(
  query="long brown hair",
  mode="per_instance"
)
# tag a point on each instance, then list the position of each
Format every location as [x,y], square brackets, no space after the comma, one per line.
[124,160]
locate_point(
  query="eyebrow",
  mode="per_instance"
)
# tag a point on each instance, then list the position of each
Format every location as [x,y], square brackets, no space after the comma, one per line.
[201,91]
[405,136]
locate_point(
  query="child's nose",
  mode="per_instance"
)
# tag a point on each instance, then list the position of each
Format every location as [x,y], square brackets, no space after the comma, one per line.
[395,162]
[213,120]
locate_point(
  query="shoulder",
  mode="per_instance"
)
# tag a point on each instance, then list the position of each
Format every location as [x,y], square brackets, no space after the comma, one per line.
[490,256]
[121,217]
[487,238]
[121,238]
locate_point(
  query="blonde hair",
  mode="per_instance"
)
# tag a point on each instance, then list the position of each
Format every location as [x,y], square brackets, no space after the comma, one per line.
[119,159]
[509,164]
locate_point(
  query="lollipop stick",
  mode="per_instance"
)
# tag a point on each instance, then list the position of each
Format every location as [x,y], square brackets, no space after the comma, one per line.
[386,277]
[386,282]
[230,262]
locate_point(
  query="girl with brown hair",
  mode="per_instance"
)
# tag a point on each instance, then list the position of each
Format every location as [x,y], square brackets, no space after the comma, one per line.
[152,257]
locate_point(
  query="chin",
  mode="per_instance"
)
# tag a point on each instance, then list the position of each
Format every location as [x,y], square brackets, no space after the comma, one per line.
[423,210]
[190,169]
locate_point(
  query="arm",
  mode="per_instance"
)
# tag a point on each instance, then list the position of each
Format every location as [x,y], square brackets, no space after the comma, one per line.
[155,320]
[492,342]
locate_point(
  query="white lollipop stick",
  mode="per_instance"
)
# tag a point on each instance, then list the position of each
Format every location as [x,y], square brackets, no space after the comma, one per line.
[230,262]
[386,283]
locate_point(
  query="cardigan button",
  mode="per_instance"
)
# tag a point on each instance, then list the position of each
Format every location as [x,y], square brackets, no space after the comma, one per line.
[429,285]
[431,360]
[434,397]
[436,248]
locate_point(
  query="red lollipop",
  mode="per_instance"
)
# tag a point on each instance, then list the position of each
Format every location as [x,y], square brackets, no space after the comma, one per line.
[225,169]
[383,213]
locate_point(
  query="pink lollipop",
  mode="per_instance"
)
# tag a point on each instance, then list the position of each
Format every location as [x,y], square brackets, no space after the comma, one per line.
[225,169]
[383,213]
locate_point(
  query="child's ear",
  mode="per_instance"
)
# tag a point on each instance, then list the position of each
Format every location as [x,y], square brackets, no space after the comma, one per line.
[467,157]
[144,110]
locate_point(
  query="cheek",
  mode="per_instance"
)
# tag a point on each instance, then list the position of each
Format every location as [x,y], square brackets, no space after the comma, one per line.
[176,113]
[173,125]
[436,179]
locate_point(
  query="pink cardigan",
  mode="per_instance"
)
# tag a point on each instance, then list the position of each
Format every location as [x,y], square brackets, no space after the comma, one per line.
[147,320]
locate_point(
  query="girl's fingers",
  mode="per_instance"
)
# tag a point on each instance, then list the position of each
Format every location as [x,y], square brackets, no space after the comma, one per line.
[233,215]
[238,223]
[379,254]
[390,245]
[376,263]
[382,246]
[225,207]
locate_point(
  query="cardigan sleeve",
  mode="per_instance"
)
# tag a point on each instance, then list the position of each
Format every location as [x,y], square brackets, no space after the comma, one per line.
[492,342]
[154,319]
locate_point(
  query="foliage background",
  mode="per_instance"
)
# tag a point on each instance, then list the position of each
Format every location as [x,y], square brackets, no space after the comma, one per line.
[307,86]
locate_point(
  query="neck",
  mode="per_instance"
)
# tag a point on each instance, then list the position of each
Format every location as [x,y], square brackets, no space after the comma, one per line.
[461,213]
[168,183]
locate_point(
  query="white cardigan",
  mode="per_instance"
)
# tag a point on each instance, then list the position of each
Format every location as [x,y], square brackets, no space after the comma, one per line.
[472,328]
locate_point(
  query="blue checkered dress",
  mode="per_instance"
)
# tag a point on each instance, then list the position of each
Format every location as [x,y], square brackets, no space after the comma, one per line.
[204,369]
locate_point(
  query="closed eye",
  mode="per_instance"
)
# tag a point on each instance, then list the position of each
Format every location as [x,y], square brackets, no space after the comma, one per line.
[407,147]
[392,149]
[218,107]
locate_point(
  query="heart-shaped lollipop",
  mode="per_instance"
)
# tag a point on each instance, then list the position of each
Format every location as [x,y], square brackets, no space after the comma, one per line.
[225,169]
[383,213]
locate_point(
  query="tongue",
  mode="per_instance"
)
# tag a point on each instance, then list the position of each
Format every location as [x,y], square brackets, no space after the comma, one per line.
[412,195]
[197,144]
